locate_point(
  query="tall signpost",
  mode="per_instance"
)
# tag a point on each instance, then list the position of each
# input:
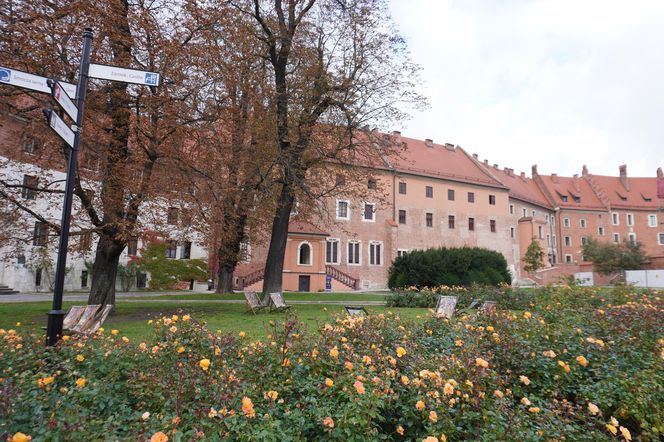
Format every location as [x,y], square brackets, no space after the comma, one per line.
[61,93]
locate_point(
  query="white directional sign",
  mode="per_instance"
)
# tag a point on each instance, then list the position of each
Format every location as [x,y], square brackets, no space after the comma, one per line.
[30,81]
[60,127]
[62,98]
[115,73]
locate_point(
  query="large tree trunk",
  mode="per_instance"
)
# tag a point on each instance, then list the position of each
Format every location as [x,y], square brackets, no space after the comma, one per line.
[104,271]
[229,250]
[225,276]
[274,265]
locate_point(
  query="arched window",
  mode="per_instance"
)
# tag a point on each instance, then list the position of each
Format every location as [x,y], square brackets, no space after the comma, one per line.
[304,254]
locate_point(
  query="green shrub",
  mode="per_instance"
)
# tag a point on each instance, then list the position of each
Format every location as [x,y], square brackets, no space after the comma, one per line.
[449,266]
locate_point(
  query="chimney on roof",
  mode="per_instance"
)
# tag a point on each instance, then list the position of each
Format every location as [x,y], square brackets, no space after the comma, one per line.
[623,176]
[449,146]
[554,177]
[533,170]
[476,157]
[396,133]
[584,171]
[495,166]
[486,163]
[575,182]
[508,171]
[660,174]
[523,175]
[428,142]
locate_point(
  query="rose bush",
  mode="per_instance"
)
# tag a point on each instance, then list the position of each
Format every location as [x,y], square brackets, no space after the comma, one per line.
[577,364]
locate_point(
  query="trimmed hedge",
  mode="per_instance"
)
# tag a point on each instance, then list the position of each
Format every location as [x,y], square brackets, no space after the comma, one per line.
[449,266]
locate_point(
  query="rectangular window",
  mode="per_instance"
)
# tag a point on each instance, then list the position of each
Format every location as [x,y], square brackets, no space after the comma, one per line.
[185,250]
[615,219]
[660,239]
[343,210]
[471,198]
[492,225]
[29,145]
[332,251]
[524,212]
[340,180]
[534,213]
[652,220]
[600,231]
[429,192]
[402,217]
[492,200]
[616,237]
[582,223]
[548,240]
[369,212]
[568,259]
[546,218]
[630,219]
[450,221]
[584,240]
[171,249]
[40,237]
[372,184]
[450,194]
[471,223]
[401,252]
[429,219]
[512,232]
[84,278]
[632,238]
[375,253]
[511,209]
[38,277]
[354,252]
[566,222]
[402,188]
[172,215]
[132,247]
[30,184]
[20,259]
[568,241]
[539,232]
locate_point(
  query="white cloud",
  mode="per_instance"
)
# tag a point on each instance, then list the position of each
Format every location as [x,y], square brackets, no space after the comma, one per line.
[560,83]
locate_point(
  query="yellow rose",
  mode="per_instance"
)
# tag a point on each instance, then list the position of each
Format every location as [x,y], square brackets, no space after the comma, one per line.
[204,364]
[334,352]
[80,382]
[20,437]
[329,382]
[582,361]
[173,329]
[594,409]
[481,363]
[524,380]
[401,352]
[186,318]
[433,416]
[420,405]
[242,334]
[180,349]
[273,395]
[80,358]
[159,436]
[534,409]
[115,332]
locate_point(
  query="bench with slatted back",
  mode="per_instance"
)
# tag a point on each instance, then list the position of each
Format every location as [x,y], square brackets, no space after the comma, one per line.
[86,319]
[445,307]
[278,302]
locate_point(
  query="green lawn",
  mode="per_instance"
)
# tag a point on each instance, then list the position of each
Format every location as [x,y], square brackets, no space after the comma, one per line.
[131,317]
[289,296]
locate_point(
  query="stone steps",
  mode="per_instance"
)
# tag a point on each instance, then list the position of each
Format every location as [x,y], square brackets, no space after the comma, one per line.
[5,290]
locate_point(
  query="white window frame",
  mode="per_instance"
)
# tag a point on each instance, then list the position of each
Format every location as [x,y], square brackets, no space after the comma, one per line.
[566,222]
[511,209]
[548,240]
[372,256]
[600,230]
[534,213]
[584,240]
[373,212]
[540,232]
[616,238]
[336,209]
[338,242]
[569,259]
[524,211]
[631,237]
[660,238]
[359,252]
[615,218]
[311,254]
[652,218]
[629,219]
[566,242]
[546,218]
[512,232]
[583,223]
[402,252]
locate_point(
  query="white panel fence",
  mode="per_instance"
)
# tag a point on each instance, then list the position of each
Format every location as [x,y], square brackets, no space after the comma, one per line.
[645,278]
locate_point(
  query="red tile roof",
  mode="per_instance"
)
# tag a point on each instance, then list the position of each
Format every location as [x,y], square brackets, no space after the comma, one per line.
[305,228]
[520,187]
[426,158]
[642,193]
[562,188]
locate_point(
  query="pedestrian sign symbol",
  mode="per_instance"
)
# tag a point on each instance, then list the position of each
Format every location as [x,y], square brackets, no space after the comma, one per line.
[151,79]
[5,75]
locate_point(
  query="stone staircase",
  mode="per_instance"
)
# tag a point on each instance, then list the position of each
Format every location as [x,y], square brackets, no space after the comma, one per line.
[4,290]
[342,277]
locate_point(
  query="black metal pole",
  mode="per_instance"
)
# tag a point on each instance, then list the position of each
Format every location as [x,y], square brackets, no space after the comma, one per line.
[56,315]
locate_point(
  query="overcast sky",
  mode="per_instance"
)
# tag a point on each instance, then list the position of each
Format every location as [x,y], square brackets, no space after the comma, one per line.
[557,83]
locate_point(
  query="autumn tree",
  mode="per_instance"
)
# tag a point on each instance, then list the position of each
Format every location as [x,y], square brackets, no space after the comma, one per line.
[335,66]
[533,257]
[129,131]
[608,258]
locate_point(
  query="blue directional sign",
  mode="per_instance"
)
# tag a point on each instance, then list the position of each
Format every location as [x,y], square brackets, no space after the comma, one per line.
[30,81]
[116,73]
[152,79]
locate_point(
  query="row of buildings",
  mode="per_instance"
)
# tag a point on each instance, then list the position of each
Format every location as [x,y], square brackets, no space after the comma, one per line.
[424,195]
